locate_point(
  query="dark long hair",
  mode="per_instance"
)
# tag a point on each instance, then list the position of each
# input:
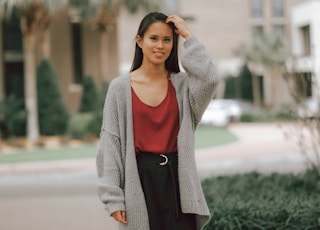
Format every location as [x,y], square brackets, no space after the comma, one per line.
[172,63]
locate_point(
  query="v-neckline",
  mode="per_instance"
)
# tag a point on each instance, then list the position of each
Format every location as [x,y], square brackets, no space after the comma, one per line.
[152,106]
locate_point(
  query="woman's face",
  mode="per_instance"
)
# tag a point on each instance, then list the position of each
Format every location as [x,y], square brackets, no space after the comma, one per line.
[156,43]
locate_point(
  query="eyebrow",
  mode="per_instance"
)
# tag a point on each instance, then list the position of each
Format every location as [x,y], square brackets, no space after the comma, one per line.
[155,35]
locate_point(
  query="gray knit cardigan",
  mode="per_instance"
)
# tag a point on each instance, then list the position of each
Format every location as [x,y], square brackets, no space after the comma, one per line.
[118,181]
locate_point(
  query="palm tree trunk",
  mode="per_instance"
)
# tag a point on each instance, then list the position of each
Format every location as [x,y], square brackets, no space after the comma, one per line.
[45,48]
[29,47]
[109,54]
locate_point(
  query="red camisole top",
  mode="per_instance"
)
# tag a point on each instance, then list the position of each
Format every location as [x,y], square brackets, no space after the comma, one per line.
[156,128]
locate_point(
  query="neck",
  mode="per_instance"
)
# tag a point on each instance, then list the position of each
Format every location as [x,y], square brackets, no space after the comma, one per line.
[154,72]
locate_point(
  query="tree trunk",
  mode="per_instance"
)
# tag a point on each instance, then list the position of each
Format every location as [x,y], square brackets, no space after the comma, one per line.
[45,48]
[109,54]
[29,48]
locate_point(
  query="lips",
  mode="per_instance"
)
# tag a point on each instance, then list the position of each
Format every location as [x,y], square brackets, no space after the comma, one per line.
[159,54]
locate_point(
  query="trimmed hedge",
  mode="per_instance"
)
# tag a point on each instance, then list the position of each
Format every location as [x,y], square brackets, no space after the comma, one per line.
[256,201]
[53,114]
[79,125]
[13,117]
[83,124]
[89,95]
[96,123]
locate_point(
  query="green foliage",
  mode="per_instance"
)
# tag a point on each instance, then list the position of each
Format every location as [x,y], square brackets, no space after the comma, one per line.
[13,116]
[264,115]
[256,201]
[89,95]
[250,117]
[79,125]
[96,123]
[239,86]
[208,136]
[231,87]
[53,115]
[133,6]
[268,49]
[245,83]
[83,124]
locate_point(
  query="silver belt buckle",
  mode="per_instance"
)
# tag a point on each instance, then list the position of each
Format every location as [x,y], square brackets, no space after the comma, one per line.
[165,160]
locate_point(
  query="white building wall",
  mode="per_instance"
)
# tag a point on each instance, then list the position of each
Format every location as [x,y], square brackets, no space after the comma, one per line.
[307,13]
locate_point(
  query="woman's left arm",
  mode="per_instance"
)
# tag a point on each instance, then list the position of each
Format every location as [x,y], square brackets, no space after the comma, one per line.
[201,75]
[199,67]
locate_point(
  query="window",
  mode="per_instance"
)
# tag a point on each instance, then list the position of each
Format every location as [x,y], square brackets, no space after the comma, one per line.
[256,8]
[12,36]
[13,79]
[303,83]
[305,34]
[277,8]
[77,52]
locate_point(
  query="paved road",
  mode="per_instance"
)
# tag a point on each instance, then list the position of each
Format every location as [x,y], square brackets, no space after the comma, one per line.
[261,147]
[62,195]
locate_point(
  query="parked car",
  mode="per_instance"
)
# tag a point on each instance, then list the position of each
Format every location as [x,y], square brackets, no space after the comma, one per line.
[310,108]
[221,112]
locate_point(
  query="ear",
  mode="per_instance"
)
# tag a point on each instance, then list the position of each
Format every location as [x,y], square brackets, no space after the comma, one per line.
[139,40]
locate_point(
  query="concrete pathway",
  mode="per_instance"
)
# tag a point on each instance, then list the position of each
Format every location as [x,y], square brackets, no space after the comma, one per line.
[62,195]
[261,147]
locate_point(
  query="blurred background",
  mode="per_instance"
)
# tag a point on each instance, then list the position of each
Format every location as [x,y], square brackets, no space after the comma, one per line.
[57,58]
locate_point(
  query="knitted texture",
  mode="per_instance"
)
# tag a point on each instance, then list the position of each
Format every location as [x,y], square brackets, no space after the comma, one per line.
[118,181]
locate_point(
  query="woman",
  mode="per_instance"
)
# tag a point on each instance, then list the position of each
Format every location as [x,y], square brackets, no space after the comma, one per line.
[147,176]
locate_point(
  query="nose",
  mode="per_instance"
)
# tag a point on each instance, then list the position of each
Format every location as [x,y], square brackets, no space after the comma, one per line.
[160,44]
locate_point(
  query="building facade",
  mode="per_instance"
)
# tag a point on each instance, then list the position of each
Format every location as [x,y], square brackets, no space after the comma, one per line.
[77,49]
[305,24]
[74,47]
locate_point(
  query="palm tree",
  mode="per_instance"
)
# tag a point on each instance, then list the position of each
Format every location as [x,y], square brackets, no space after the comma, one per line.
[34,18]
[103,15]
[265,55]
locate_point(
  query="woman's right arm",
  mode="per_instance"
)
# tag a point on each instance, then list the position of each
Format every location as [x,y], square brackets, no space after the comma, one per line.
[108,159]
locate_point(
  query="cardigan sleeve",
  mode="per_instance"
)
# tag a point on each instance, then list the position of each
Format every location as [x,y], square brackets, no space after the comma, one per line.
[201,75]
[108,159]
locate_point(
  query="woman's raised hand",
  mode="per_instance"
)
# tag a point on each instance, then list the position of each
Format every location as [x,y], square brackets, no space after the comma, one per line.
[181,25]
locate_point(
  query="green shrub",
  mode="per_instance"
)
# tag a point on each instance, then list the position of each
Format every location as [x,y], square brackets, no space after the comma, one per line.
[53,114]
[261,116]
[79,125]
[95,125]
[13,116]
[239,86]
[245,83]
[284,114]
[265,115]
[256,201]
[83,124]
[89,95]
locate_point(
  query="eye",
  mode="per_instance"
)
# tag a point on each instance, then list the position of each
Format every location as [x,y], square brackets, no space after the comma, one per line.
[153,38]
[167,39]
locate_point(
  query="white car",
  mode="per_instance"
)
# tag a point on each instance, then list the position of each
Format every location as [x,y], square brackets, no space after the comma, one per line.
[310,108]
[220,112]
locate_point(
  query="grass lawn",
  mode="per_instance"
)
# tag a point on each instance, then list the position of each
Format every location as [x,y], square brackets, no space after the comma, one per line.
[205,137]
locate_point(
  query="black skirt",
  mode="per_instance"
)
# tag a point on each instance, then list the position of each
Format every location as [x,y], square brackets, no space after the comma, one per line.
[159,180]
